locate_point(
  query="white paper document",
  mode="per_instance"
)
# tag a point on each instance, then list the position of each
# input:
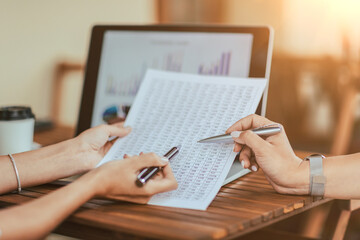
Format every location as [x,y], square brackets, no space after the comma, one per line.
[173,109]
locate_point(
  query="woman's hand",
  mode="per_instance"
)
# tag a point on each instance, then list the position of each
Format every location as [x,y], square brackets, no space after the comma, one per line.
[286,172]
[64,159]
[116,179]
[94,142]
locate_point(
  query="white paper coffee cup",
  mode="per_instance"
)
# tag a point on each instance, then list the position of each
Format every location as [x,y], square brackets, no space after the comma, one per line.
[16,129]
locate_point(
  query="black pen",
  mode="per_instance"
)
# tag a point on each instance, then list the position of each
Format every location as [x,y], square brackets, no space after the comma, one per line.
[149,172]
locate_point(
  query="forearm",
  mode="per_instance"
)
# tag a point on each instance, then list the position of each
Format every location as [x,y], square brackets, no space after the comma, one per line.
[36,219]
[42,165]
[342,177]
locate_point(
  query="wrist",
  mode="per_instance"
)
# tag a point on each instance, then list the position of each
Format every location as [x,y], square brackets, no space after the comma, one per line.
[295,178]
[90,182]
[70,156]
[81,156]
[83,189]
[95,181]
[49,163]
[302,181]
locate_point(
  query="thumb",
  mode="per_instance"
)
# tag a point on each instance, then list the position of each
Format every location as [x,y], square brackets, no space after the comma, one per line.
[250,139]
[118,130]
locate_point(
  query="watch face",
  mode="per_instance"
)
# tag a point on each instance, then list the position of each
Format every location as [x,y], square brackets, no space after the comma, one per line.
[314,155]
[317,155]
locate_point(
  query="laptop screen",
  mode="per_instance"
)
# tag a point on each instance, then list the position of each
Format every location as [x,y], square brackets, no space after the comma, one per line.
[126,55]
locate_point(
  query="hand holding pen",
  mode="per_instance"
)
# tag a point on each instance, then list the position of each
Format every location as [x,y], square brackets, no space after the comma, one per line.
[257,131]
[286,172]
[270,153]
[147,173]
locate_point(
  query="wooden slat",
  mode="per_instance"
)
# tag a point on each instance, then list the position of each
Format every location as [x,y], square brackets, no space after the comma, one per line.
[250,219]
[172,219]
[152,227]
[280,204]
[13,199]
[275,198]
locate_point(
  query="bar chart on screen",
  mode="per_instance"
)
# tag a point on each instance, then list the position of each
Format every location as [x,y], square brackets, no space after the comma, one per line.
[220,67]
[126,56]
[168,62]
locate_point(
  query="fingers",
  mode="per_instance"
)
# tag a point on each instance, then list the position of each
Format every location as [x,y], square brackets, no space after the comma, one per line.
[118,124]
[149,160]
[253,141]
[117,130]
[245,156]
[164,181]
[251,121]
[167,183]
[247,159]
[253,144]
[129,156]
[237,147]
[253,165]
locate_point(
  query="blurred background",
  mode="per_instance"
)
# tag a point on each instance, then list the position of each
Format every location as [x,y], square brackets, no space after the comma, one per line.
[315,76]
[315,72]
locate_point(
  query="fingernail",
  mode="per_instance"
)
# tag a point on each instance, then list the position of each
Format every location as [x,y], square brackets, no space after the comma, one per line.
[235,134]
[164,159]
[242,163]
[254,168]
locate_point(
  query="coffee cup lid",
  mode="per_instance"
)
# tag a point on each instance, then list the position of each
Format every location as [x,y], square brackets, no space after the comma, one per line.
[15,113]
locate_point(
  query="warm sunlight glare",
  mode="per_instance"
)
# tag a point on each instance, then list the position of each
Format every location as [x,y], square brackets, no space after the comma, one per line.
[346,11]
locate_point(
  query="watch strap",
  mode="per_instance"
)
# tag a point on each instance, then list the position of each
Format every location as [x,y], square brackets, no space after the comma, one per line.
[317,178]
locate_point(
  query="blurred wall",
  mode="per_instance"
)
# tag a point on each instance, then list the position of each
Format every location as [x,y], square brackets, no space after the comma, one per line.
[36,34]
[316,59]
[256,12]
[302,27]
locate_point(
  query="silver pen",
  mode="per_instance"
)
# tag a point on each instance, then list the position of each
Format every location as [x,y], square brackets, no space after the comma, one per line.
[267,130]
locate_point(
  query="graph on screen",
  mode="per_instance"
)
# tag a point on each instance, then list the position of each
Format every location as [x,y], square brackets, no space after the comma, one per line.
[126,56]
[128,86]
[221,67]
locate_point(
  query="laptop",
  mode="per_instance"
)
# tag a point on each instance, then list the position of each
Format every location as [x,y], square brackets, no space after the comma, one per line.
[120,55]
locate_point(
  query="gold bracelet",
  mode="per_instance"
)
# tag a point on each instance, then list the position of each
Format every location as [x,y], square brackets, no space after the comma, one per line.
[16,172]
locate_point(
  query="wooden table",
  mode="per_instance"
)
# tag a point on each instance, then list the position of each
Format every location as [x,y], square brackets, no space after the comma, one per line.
[242,206]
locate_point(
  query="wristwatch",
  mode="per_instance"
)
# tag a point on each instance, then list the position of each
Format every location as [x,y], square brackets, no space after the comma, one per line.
[317,178]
